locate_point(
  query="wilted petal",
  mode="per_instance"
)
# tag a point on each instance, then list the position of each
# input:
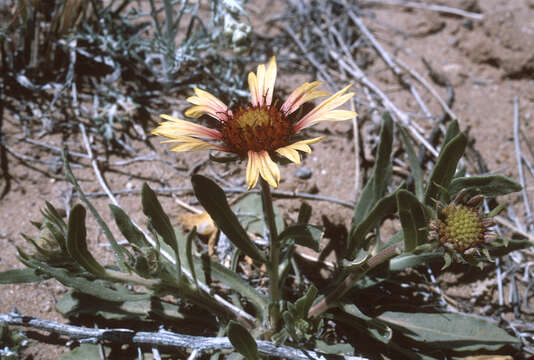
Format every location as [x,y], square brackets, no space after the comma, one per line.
[268,84]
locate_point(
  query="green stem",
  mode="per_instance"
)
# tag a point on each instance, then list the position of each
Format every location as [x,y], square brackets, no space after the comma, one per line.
[333,297]
[274,254]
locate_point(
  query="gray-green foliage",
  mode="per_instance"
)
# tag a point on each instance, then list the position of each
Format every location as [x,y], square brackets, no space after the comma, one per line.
[164,261]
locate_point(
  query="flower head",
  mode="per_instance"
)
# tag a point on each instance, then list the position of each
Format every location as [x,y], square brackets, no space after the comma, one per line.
[258,130]
[460,227]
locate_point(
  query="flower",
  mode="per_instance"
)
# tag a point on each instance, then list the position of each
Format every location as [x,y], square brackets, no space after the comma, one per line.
[460,227]
[260,129]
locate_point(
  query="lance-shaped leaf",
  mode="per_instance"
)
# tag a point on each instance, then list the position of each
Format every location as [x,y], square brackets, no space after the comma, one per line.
[384,207]
[126,227]
[404,261]
[19,276]
[416,170]
[91,287]
[118,251]
[242,341]
[376,186]
[350,315]
[303,305]
[448,330]
[213,199]
[445,167]
[412,217]
[489,185]
[452,131]
[159,219]
[77,242]
[305,235]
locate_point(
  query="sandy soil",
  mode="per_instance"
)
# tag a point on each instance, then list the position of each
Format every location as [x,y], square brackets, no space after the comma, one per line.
[488,62]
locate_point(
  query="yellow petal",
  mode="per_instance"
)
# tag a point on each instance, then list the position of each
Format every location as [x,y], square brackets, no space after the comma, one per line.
[320,112]
[252,169]
[303,144]
[260,76]
[208,104]
[270,78]
[268,169]
[192,144]
[300,95]
[253,87]
[290,154]
[176,127]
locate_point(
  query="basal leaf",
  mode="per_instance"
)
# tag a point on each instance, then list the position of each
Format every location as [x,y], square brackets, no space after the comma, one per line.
[448,330]
[416,170]
[19,276]
[242,341]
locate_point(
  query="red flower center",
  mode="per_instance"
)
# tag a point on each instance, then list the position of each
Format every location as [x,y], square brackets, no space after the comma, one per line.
[260,128]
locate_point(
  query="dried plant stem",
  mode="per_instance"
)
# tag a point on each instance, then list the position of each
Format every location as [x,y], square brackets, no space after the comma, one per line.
[433,7]
[274,251]
[160,338]
[518,154]
[332,298]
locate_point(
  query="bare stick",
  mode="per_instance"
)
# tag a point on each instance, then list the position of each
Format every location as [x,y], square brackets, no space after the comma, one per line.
[520,163]
[438,8]
[160,338]
[503,221]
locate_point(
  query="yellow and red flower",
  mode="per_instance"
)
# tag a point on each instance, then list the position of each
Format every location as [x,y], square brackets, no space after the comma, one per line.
[260,129]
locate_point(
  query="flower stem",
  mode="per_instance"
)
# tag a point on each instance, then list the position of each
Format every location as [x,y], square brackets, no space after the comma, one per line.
[332,298]
[274,254]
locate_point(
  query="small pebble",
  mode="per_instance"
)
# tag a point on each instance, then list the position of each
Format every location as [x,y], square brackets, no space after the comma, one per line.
[303,173]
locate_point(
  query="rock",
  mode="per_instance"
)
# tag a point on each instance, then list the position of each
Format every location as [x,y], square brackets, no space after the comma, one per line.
[303,173]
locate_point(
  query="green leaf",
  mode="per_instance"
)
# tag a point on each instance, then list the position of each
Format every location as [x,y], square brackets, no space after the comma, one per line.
[305,212]
[445,167]
[452,131]
[189,253]
[417,172]
[350,315]
[337,349]
[306,235]
[83,352]
[303,305]
[158,218]
[413,220]
[213,199]
[448,331]
[19,276]
[376,186]
[117,249]
[404,261]
[249,210]
[90,287]
[384,207]
[126,227]
[242,341]
[77,242]
[489,185]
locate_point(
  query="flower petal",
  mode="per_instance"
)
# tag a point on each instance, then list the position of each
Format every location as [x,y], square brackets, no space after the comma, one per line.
[321,111]
[268,169]
[253,87]
[290,154]
[208,104]
[253,169]
[300,95]
[192,144]
[268,84]
[175,127]
[260,77]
